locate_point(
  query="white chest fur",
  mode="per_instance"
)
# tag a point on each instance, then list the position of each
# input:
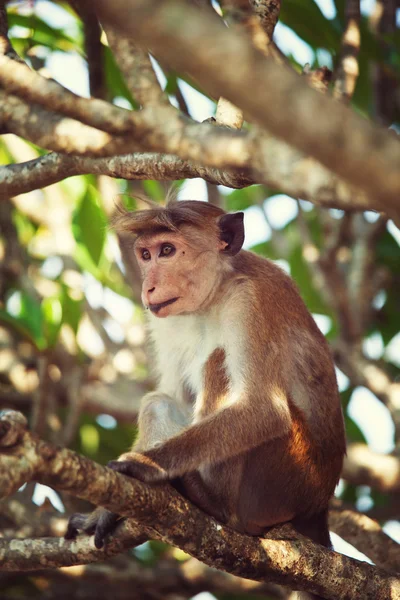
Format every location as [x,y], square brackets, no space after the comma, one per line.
[183,345]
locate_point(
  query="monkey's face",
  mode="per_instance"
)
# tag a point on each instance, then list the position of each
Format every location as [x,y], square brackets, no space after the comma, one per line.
[180,272]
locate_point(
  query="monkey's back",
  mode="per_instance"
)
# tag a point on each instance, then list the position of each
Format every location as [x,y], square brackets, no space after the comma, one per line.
[295,474]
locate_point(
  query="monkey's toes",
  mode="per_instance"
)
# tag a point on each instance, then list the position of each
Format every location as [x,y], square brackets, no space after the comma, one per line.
[77,522]
[106,524]
[100,522]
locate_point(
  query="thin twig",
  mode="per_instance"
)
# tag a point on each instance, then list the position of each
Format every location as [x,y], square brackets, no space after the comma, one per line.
[6,48]
[93,48]
[53,167]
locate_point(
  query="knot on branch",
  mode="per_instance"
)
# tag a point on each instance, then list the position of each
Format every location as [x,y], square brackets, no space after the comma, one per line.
[13,425]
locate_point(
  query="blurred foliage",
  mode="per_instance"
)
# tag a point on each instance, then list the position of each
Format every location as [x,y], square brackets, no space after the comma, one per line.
[61,264]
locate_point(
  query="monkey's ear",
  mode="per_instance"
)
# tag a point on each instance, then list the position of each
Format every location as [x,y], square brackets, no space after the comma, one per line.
[231,231]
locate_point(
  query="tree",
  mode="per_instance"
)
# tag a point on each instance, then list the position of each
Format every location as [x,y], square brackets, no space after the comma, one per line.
[73,357]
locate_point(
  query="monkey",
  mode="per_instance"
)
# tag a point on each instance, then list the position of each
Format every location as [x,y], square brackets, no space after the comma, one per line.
[246,420]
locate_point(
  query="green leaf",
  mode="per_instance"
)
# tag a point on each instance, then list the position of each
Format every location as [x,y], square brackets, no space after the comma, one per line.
[300,272]
[89,225]
[154,190]
[52,316]
[345,396]
[266,249]
[242,199]
[308,22]
[115,82]
[43,34]
[353,431]
[27,319]
[71,310]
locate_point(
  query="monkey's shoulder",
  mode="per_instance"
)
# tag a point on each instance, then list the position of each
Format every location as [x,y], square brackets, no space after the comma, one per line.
[269,287]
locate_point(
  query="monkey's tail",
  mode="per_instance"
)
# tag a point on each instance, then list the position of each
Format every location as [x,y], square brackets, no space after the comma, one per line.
[316,528]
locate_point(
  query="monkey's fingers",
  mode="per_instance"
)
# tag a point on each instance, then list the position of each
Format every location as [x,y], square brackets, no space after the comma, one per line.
[126,467]
[139,468]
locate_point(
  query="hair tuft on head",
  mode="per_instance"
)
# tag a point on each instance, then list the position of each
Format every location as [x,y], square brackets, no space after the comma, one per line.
[172,195]
[171,217]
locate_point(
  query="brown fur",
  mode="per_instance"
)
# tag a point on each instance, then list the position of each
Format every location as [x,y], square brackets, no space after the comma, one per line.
[266,441]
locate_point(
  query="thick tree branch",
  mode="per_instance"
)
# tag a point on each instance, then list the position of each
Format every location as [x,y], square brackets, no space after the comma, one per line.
[355,149]
[295,562]
[367,536]
[19,79]
[50,130]
[285,169]
[163,129]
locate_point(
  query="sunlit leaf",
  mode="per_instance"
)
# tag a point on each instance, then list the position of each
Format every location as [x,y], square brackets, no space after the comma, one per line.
[154,190]
[71,309]
[353,431]
[27,319]
[52,316]
[307,20]
[43,34]
[89,226]
[115,82]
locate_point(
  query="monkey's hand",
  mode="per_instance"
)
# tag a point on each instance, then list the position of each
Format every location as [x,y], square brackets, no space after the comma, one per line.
[139,466]
[101,522]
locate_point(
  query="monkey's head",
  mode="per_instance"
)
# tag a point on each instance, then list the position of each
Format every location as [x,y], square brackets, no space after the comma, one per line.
[183,251]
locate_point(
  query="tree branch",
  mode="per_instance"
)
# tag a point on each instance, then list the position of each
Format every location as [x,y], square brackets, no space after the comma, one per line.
[48,553]
[268,13]
[53,131]
[53,167]
[347,71]
[136,68]
[367,536]
[6,48]
[366,155]
[19,79]
[364,467]
[93,47]
[292,560]
[368,373]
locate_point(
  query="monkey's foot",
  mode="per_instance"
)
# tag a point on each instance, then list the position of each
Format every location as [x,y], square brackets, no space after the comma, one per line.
[100,522]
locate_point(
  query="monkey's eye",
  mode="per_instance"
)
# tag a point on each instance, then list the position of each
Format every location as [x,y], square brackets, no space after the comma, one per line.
[145,254]
[167,250]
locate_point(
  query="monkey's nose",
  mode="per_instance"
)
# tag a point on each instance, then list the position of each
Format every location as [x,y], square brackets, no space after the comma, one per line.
[151,290]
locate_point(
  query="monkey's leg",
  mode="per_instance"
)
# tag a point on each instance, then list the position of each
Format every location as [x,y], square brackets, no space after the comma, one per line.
[160,418]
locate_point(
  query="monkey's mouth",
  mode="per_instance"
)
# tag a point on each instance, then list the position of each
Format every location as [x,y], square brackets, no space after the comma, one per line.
[155,308]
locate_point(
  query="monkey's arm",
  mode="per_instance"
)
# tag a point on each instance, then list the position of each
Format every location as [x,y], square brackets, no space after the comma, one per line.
[232,430]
